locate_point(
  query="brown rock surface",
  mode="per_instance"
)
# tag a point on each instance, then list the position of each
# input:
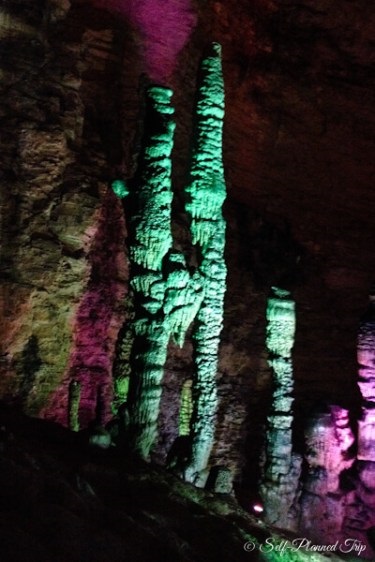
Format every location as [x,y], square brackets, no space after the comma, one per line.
[52,195]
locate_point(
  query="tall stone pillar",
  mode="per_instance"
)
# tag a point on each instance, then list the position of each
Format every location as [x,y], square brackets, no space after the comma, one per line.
[281,471]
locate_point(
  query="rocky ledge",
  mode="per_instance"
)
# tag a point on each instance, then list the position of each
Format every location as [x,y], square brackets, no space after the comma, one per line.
[62,499]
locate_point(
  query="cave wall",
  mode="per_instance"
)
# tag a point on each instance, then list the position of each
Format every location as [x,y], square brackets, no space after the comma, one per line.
[63,260]
[298,149]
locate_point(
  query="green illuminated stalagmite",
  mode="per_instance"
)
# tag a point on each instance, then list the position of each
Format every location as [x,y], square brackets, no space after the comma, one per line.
[206,190]
[167,297]
[205,196]
[151,239]
[282,467]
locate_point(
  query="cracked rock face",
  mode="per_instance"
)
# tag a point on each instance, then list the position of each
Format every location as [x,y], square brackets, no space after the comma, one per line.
[53,202]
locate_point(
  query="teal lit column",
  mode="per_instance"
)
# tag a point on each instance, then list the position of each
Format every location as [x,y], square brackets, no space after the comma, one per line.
[206,193]
[150,241]
[168,297]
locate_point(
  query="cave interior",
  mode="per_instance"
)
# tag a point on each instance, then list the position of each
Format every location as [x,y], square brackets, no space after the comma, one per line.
[187,266]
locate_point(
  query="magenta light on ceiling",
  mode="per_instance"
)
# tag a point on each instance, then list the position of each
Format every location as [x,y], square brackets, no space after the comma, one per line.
[164,27]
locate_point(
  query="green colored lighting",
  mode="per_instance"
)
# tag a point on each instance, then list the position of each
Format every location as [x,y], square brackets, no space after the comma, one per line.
[120,188]
[152,239]
[152,224]
[184,295]
[168,298]
[122,389]
[205,196]
[206,190]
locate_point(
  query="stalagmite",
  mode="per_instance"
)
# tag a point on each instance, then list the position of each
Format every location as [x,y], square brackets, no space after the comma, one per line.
[366,383]
[73,405]
[186,409]
[151,239]
[323,501]
[279,485]
[205,196]
[167,297]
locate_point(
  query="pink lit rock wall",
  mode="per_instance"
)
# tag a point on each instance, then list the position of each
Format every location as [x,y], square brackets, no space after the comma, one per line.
[61,234]
[164,28]
[328,456]
[97,322]
[366,383]
[360,515]
[359,522]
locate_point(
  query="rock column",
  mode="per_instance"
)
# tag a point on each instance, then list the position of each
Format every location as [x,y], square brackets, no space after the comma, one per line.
[281,471]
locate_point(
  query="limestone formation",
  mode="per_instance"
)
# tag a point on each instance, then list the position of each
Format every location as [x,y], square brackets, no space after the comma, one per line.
[167,297]
[366,383]
[151,239]
[74,398]
[299,148]
[281,471]
[360,512]
[186,409]
[206,193]
[329,439]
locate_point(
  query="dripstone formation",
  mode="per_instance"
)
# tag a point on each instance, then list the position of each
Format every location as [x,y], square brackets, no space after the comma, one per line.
[117,245]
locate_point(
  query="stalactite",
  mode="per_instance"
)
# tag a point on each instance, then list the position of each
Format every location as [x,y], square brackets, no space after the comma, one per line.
[205,196]
[279,484]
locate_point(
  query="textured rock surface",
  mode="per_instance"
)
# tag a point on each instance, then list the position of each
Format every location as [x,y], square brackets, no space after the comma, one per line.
[298,155]
[282,469]
[61,500]
[366,383]
[63,262]
[328,455]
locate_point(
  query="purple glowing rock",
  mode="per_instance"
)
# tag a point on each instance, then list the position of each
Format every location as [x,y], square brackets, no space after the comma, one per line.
[96,323]
[164,27]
